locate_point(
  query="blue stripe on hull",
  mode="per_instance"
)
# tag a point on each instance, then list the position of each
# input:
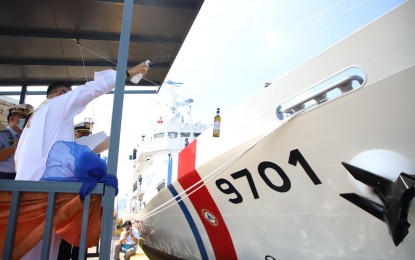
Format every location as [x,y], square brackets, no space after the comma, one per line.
[191,222]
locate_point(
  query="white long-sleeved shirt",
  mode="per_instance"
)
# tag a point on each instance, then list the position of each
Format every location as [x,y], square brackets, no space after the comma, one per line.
[53,121]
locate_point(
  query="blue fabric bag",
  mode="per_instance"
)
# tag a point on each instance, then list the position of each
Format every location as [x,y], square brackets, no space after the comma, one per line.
[126,247]
[72,162]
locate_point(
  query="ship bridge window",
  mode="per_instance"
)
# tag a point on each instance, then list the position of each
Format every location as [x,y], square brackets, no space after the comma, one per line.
[184,134]
[159,135]
[196,134]
[161,185]
[172,134]
[332,88]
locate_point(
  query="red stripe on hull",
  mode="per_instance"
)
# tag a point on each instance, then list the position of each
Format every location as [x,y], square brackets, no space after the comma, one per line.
[205,206]
[187,159]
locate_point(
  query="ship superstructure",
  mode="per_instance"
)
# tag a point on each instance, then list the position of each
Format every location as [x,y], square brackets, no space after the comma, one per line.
[173,129]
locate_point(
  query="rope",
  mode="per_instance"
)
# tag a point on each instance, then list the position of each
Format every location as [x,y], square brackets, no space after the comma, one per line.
[86,76]
[102,57]
[82,57]
[328,20]
[208,178]
[81,47]
[204,180]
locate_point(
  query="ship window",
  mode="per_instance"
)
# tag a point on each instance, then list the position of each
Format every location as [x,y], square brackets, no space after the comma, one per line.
[196,134]
[172,134]
[161,185]
[159,135]
[185,134]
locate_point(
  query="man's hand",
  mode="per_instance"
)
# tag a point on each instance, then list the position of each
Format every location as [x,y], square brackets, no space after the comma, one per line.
[140,68]
[15,142]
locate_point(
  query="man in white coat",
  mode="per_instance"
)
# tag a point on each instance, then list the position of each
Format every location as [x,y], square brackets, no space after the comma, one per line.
[54,121]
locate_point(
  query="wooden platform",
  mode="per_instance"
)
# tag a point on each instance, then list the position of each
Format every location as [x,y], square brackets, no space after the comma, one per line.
[139,255]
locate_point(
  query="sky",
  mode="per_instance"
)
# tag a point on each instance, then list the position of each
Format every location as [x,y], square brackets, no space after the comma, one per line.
[233,48]
[236,46]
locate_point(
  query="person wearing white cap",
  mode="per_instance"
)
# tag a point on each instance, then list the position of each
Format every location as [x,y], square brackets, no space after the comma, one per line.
[9,138]
[53,121]
[83,129]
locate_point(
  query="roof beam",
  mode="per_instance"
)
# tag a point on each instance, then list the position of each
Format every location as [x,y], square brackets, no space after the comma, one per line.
[69,62]
[82,35]
[194,6]
[43,93]
[76,82]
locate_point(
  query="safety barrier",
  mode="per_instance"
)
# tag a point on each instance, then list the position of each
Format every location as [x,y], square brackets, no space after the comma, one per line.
[52,189]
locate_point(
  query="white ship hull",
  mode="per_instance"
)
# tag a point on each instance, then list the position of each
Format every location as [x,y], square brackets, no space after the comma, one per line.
[258,199]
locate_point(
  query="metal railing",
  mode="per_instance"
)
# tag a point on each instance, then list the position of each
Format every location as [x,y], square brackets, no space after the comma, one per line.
[346,81]
[52,188]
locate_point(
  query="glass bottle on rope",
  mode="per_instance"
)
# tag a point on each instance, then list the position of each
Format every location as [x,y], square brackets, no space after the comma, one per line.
[216,124]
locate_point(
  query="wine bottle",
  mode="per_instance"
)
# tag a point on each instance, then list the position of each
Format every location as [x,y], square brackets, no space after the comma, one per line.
[216,124]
